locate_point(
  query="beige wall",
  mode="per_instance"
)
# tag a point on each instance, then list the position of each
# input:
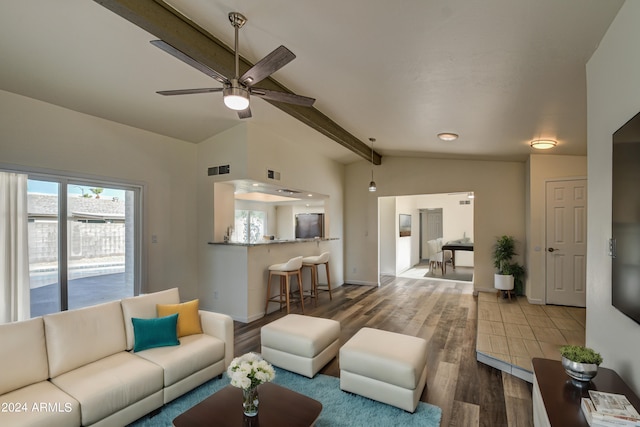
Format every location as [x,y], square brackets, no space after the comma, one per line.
[613,98]
[541,169]
[499,206]
[38,135]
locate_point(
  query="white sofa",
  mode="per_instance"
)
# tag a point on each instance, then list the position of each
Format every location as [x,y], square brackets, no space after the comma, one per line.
[77,367]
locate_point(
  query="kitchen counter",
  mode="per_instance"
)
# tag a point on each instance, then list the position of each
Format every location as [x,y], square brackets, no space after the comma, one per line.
[274,242]
[240,271]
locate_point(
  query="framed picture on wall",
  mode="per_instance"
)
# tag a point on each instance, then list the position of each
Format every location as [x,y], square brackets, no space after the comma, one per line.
[405,225]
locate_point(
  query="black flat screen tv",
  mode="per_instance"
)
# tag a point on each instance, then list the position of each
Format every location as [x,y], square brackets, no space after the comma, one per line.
[625,267]
[309,225]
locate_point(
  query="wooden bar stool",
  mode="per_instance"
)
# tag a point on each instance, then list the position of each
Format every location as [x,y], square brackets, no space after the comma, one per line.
[290,268]
[313,262]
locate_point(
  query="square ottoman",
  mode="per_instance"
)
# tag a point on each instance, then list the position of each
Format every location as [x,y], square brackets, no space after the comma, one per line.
[385,366]
[301,344]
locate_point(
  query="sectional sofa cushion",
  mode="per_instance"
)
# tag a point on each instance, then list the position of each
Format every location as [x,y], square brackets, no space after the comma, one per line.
[156,332]
[188,317]
[111,384]
[194,353]
[144,307]
[72,336]
[40,404]
[23,355]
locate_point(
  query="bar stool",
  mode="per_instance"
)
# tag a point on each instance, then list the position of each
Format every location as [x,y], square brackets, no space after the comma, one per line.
[290,268]
[313,262]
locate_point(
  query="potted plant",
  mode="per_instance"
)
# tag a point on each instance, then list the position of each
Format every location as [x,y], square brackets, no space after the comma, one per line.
[580,363]
[518,272]
[504,279]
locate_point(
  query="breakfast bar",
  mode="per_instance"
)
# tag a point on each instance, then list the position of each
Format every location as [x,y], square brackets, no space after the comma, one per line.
[240,273]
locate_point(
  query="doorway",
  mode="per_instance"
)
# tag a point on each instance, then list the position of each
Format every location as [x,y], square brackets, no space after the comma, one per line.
[430,229]
[453,221]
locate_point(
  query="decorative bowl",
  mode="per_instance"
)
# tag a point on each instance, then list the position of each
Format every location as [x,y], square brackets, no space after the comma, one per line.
[582,372]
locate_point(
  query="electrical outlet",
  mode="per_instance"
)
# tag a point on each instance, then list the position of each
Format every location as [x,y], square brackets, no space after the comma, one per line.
[154,238]
[215,294]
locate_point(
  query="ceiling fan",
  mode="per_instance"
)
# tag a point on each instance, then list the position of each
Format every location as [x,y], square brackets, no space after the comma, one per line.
[236,91]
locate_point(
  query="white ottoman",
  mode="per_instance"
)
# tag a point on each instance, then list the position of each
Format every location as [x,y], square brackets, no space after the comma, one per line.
[301,344]
[385,366]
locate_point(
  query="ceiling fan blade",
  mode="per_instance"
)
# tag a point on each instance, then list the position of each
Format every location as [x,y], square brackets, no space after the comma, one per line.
[267,66]
[189,91]
[189,60]
[244,114]
[289,98]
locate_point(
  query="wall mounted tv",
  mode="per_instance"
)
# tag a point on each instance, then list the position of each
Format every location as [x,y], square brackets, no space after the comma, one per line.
[625,267]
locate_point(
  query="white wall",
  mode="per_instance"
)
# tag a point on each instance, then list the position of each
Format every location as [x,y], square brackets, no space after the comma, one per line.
[499,206]
[542,168]
[35,134]
[406,246]
[286,229]
[613,98]
[388,236]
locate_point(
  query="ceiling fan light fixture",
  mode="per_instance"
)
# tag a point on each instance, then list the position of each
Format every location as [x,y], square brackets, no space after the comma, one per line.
[448,136]
[236,98]
[543,144]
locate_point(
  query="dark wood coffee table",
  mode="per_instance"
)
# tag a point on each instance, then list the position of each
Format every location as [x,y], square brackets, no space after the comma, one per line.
[278,407]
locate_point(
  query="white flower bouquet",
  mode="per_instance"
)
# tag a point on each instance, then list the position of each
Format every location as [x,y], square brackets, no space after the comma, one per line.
[249,371]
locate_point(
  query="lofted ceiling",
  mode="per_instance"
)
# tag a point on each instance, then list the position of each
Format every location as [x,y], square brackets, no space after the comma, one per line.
[497,72]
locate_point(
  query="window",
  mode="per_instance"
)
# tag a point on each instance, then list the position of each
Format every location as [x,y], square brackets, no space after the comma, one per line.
[250,225]
[98,260]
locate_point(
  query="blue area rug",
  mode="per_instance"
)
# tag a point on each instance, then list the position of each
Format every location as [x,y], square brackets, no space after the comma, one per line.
[339,408]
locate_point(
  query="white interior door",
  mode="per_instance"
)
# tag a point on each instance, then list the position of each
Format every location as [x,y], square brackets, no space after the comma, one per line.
[566,249]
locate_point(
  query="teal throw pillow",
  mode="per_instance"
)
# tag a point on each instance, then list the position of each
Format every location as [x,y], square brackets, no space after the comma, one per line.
[158,332]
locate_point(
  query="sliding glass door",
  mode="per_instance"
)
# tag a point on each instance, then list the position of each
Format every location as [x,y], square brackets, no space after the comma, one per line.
[97,259]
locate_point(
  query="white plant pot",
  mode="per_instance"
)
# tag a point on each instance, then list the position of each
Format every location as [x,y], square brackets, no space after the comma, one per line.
[503,282]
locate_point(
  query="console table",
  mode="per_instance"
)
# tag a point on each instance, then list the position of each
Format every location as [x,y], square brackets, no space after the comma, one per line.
[556,401]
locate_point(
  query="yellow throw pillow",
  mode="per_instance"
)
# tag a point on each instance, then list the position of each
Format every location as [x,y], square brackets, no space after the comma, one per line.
[188,317]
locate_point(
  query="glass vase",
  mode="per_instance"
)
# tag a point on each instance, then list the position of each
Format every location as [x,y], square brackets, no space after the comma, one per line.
[250,401]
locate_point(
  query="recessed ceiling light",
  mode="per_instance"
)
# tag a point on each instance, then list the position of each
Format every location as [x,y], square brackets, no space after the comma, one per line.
[309,195]
[543,144]
[448,136]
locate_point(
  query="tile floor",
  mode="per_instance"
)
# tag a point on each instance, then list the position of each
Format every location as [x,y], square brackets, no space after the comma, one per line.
[516,331]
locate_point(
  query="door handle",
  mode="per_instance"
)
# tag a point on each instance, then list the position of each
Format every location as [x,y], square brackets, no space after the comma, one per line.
[552,249]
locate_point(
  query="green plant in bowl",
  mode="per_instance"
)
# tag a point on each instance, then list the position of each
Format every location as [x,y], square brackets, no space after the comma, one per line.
[580,354]
[580,363]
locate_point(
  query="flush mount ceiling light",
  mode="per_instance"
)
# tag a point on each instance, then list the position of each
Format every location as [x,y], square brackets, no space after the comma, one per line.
[543,144]
[448,136]
[372,184]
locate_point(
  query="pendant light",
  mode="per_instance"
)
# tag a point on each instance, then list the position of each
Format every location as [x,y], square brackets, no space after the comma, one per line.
[372,184]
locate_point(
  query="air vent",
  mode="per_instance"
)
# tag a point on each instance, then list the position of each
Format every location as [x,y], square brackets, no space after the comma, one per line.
[271,174]
[219,170]
[465,202]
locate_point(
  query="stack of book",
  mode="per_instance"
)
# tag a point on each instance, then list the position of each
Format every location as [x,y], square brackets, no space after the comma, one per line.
[609,410]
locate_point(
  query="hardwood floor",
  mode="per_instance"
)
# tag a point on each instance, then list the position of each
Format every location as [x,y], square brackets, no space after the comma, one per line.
[445,314]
